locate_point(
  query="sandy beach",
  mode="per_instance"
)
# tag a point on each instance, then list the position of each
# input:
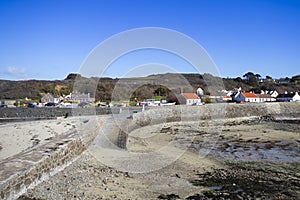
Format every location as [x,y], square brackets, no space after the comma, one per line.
[17,137]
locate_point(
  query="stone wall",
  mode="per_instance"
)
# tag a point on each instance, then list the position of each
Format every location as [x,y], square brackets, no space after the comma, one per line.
[48,113]
[25,170]
[214,112]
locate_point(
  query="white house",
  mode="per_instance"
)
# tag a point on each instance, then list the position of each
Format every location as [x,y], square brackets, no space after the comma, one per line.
[50,98]
[246,97]
[77,97]
[8,102]
[265,98]
[272,93]
[288,97]
[189,99]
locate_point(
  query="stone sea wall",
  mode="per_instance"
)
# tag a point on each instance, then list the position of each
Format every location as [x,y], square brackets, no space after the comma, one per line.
[23,113]
[25,170]
[214,112]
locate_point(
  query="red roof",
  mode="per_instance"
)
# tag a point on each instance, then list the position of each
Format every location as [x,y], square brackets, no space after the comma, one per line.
[264,96]
[190,96]
[249,95]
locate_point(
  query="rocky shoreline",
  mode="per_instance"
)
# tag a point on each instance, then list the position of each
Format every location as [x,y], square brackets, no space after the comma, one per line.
[251,180]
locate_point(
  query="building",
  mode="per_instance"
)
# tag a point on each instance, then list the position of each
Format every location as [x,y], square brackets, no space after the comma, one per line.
[189,99]
[246,97]
[265,98]
[50,98]
[8,102]
[80,97]
[287,97]
[274,93]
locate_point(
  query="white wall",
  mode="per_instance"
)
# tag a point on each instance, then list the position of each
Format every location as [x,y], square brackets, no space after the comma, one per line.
[192,101]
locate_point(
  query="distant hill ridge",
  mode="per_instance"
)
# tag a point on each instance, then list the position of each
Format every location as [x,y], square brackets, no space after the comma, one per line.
[35,89]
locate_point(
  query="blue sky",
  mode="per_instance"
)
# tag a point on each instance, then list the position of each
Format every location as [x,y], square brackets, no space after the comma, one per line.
[48,39]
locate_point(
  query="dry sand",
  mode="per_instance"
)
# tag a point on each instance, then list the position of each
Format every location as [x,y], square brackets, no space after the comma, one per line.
[16,137]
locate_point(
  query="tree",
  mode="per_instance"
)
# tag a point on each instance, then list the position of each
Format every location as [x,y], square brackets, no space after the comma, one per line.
[269,77]
[249,75]
[162,91]
[296,79]
[73,76]
[252,79]
[257,76]
[172,97]
[238,79]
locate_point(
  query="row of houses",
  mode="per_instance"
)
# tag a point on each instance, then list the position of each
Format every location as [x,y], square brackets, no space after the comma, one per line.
[264,97]
[185,98]
[194,99]
[251,97]
[76,98]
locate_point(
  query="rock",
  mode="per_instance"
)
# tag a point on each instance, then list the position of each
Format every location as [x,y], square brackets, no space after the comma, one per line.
[168,196]
[194,197]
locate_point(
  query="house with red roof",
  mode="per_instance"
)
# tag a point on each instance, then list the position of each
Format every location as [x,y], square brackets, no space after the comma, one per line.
[247,97]
[189,99]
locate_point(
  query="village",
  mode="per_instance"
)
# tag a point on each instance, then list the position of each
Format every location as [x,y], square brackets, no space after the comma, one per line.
[74,100]
[156,90]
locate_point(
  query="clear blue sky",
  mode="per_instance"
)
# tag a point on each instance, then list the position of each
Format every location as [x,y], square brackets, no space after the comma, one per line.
[48,39]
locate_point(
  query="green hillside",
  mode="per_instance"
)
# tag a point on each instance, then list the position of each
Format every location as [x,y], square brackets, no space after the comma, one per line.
[141,88]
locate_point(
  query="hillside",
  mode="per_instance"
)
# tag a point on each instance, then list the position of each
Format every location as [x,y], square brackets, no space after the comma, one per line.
[143,87]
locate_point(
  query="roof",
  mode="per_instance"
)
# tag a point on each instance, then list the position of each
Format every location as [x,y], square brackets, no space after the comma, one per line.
[264,96]
[249,95]
[190,96]
[49,95]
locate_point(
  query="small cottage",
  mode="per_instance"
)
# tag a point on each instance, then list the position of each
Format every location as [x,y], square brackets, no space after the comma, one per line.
[189,99]
[50,98]
[246,97]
